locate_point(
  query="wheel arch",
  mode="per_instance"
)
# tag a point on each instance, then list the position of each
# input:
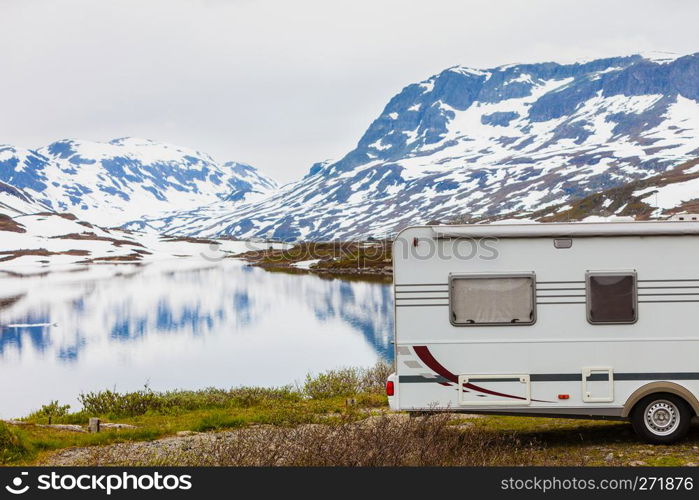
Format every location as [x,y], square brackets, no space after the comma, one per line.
[658,387]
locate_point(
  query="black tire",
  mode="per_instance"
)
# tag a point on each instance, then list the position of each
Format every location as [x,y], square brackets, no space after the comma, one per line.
[661,418]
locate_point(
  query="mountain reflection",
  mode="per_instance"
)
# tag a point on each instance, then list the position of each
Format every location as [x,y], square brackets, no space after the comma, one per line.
[70,315]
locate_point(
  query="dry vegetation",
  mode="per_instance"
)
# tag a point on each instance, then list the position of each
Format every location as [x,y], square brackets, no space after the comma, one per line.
[88,235]
[41,252]
[336,418]
[381,440]
[7,223]
[334,258]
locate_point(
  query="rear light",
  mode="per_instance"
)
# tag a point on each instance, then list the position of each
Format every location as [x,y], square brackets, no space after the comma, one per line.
[390,389]
[564,396]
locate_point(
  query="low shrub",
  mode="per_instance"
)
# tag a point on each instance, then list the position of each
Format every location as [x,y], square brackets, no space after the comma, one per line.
[49,412]
[345,382]
[12,445]
[147,401]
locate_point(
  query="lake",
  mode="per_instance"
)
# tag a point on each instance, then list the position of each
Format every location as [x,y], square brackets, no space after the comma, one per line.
[182,324]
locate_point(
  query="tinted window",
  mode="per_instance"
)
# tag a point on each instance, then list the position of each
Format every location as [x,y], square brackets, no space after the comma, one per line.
[611,298]
[501,300]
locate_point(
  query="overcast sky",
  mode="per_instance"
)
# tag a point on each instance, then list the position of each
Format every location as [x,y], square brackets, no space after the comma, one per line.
[280,84]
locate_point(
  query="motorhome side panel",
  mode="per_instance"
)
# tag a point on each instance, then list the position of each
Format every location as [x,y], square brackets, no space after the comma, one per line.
[561,363]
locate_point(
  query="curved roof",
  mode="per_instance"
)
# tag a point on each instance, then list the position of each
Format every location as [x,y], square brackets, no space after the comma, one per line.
[568,229]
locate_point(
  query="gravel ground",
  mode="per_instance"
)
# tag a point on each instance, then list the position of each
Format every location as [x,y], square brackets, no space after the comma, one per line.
[258,444]
[135,453]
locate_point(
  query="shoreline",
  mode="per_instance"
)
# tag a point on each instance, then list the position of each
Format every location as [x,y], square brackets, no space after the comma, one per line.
[340,260]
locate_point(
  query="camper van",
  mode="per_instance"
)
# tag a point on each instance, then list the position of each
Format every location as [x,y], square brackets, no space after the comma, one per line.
[592,320]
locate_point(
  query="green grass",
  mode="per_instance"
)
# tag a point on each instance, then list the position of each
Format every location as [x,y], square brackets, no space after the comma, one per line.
[172,402]
[217,422]
[160,414]
[35,441]
[13,446]
[322,399]
[335,259]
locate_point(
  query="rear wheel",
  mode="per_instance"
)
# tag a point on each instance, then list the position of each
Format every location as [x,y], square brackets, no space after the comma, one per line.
[661,418]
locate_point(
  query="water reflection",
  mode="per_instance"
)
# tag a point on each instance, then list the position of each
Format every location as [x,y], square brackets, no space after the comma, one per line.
[221,325]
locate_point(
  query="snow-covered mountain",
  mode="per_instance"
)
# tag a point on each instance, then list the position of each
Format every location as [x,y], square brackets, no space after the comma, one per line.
[15,201]
[475,143]
[672,194]
[125,179]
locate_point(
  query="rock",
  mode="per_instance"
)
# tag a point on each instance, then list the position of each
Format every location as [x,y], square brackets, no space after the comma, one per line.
[63,427]
[186,433]
[108,425]
[464,426]
[609,457]
[15,422]
[691,464]
[637,463]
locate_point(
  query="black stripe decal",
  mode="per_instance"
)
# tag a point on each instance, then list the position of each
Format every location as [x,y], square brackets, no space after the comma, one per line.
[567,377]
[558,296]
[561,302]
[582,282]
[664,301]
[565,289]
[560,282]
[419,379]
[571,302]
[661,287]
[664,294]
[422,298]
[422,305]
[661,281]
[512,379]
[422,284]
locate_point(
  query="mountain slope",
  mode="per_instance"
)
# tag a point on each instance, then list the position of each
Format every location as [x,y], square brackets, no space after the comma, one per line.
[14,201]
[659,197]
[481,143]
[124,179]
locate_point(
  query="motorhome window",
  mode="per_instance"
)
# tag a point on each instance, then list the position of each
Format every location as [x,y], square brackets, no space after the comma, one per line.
[611,298]
[492,300]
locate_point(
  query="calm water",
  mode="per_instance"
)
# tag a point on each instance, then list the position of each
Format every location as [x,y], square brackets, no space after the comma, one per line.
[172,327]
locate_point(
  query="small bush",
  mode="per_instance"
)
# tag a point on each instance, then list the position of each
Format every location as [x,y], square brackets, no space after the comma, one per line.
[113,403]
[345,382]
[12,446]
[147,401]
[374,378]
[49,412]
[341,382]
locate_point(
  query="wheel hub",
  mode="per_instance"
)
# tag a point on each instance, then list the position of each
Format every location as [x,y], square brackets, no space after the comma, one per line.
[662,417]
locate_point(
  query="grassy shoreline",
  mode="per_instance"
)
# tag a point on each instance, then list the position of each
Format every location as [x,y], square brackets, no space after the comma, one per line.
[346,260]
[335,418]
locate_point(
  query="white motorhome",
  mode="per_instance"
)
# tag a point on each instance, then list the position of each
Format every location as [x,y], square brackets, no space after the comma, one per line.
[596,320]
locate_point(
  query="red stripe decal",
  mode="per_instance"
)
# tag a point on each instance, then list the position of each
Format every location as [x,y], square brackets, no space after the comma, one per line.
[426,357]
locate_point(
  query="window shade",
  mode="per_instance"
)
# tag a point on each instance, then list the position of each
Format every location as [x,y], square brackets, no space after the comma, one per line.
[497,300]
[611,298]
